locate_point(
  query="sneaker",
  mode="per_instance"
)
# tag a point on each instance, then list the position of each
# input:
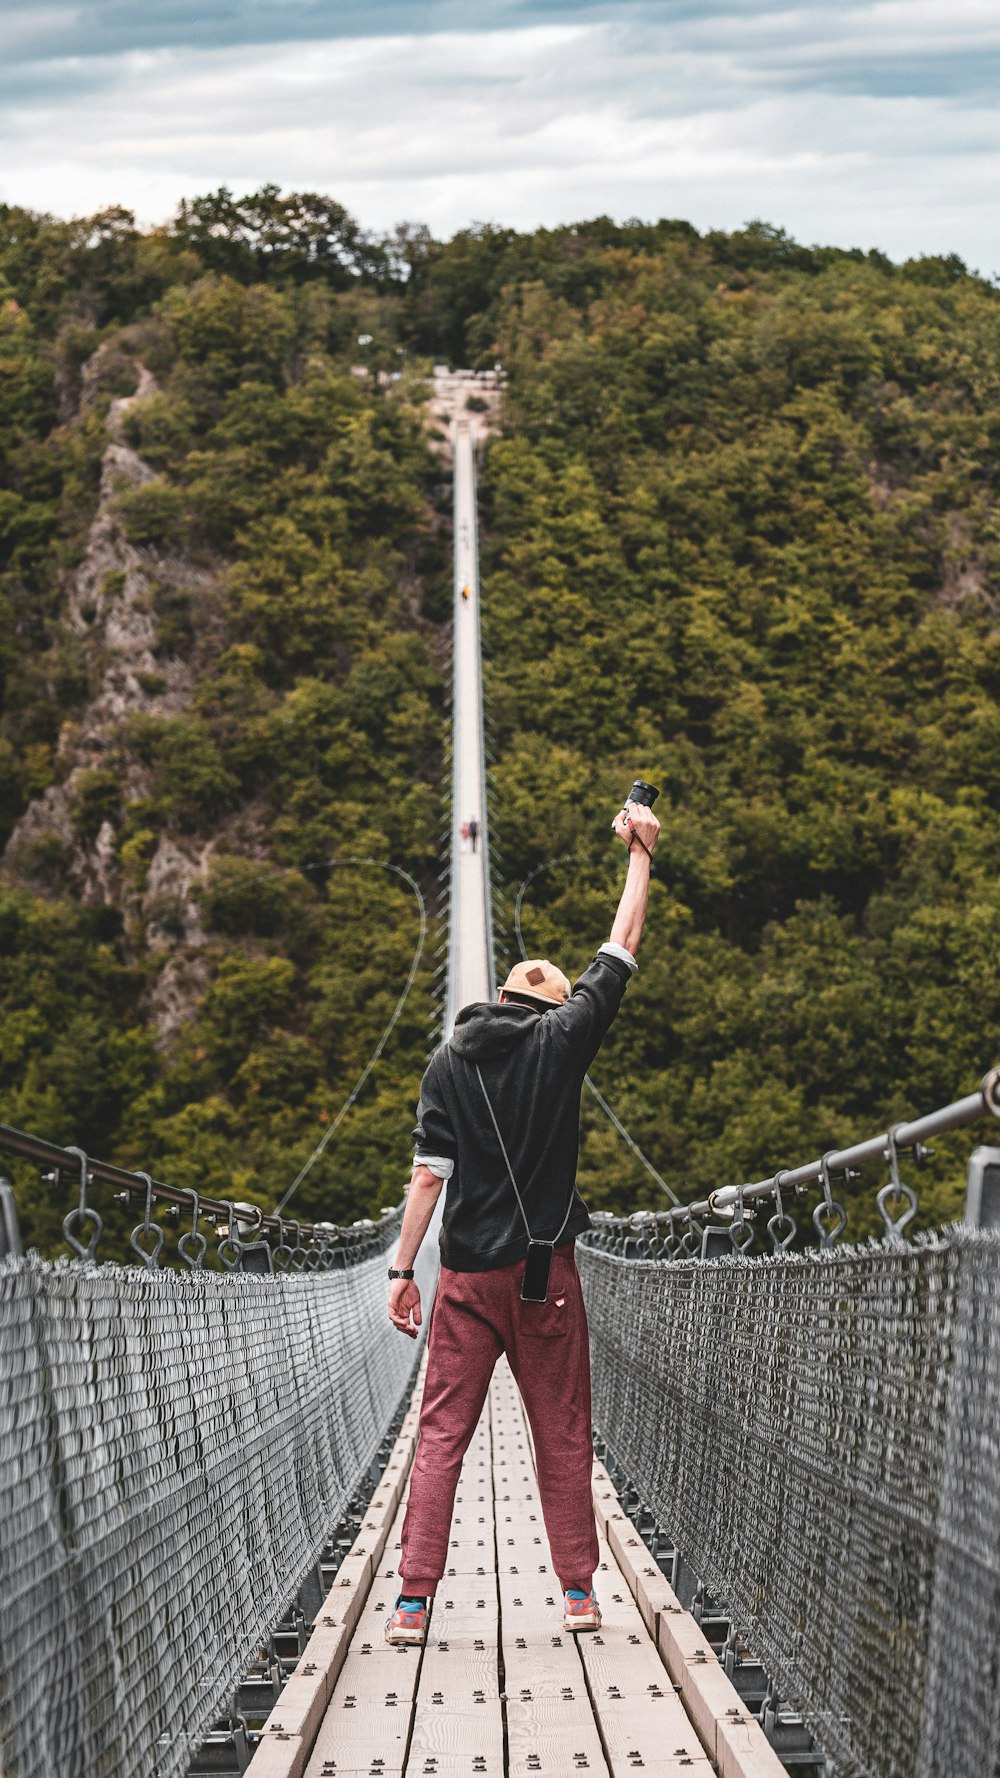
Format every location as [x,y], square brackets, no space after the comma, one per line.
[408,1623]
[580,1610]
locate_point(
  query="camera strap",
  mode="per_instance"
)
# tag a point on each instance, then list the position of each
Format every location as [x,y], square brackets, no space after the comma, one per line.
[520,1202]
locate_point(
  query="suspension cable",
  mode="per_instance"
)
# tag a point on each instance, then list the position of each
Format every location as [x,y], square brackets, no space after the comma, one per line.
[336,864]
[551,864]
[328,1134]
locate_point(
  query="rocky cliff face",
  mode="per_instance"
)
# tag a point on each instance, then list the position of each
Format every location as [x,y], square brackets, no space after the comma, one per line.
[110,605]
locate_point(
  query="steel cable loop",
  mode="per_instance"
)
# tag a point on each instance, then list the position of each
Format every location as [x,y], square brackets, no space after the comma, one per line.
[84,1213]
[298,1252]
[780,1220]
[193,1238]
[829,1217]
[691,1240]
[612,1116]
[146,1229]
[281,1254]
[895,1192]
[740,1232]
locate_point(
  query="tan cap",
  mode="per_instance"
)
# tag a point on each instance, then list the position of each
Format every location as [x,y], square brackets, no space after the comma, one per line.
[540,980]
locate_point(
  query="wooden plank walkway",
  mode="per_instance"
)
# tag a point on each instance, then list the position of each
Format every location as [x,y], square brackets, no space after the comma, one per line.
[500,1690]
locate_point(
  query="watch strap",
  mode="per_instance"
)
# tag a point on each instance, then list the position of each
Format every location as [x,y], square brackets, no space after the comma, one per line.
[395,1274]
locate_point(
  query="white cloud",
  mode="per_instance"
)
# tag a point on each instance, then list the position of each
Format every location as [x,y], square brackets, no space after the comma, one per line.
[711,119]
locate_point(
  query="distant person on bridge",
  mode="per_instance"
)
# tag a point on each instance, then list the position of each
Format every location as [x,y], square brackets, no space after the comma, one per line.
[499,1119]
[474,831]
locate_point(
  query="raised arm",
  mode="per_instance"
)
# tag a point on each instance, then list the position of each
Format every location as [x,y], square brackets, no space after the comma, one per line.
[637,828]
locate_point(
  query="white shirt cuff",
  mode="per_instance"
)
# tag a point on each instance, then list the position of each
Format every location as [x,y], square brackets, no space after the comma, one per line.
[620,952]
[436,1163]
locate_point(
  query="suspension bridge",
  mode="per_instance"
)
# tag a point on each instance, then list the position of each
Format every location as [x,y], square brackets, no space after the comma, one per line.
[204,1475]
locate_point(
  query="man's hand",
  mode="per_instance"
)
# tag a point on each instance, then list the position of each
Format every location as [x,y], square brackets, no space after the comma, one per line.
[404,1304]
[636,820]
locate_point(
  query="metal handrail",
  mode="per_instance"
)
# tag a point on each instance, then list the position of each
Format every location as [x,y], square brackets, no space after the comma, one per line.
[63,1160]
[982,1103]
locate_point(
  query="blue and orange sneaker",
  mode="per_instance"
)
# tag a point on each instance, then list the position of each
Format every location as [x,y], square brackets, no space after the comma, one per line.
[408,1623]
[580,1610]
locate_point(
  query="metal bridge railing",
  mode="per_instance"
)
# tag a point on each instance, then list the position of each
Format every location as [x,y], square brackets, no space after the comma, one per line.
[679,1232]
[820,1434]
[178,1445]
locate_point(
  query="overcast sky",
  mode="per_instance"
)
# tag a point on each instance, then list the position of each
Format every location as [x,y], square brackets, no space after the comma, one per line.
[874,123]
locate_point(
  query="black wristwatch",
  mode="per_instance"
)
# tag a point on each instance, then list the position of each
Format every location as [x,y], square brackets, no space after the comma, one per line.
[393,1274]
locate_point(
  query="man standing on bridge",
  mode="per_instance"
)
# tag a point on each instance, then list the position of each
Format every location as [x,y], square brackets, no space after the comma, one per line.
[498,1119]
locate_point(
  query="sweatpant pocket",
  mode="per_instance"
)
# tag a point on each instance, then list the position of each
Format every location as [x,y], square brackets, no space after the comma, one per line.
[544,1321]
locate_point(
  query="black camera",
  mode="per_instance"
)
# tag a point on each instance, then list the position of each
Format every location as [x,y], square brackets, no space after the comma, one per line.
[641,792]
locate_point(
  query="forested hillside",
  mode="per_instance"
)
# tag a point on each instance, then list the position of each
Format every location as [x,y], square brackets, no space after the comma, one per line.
[740,535]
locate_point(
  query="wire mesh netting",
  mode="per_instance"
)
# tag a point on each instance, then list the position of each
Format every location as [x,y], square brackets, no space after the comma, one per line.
[821,1436]
[177,1448]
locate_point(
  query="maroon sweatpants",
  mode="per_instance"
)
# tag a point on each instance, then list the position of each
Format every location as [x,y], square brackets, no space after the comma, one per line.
[477,1316]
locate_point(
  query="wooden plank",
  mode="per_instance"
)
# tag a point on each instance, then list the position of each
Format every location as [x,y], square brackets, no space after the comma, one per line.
[618,1666]
[512,1537]
[520,1515]
[646,1729]
[346,1597]
[465,1611]
[532,1550]
[469,1562]
[688,1766]
[511,1453]
[529,1595]
[471,1524]
[680,1639]
[626,1545]
[544,1670]
[468,1734]
[515,1484]
[653,1595]
[305,1695]
[422,1764]
[465,1629]
[531,1573]
[280,1756]
[367,1723]
[709,1697]
[521,1525]
[357,1736]
[536,1625]
[465,1590]
[370,1628]
[334,1768]
[744,1751]
[618,1608]
[476,1532]
[380,1671]
[455,1673]
[552,1740]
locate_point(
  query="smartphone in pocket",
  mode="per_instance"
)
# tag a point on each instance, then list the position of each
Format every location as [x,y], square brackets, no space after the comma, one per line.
[535,1282]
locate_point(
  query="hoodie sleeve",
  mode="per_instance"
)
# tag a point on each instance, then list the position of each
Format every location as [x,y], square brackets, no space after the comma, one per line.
[433,1136]
[585,1018]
